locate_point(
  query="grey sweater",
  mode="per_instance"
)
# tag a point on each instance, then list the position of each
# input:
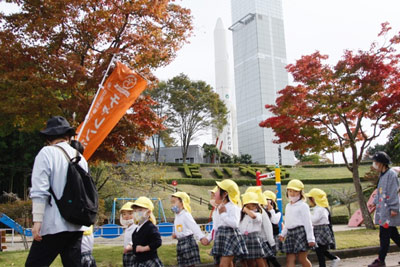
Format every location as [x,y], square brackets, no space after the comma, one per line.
[387,199]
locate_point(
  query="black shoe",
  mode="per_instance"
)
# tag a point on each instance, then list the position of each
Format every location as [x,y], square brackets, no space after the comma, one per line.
[377,263]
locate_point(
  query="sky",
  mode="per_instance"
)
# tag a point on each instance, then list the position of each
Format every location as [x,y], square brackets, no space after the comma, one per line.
[310,25]
[324,25]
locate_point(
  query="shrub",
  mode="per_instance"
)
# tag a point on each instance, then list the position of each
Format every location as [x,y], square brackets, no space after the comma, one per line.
[228,171]
[340,219]
[218,173]
[188,173]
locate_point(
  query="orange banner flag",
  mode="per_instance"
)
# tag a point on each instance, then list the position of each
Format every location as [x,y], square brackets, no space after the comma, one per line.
[119,92]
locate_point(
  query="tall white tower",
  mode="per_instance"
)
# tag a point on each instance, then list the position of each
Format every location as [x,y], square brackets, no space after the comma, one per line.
[259,61]
[228,137]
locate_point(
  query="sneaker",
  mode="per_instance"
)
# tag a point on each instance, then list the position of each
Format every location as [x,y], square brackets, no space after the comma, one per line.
[377,263]
[335,262]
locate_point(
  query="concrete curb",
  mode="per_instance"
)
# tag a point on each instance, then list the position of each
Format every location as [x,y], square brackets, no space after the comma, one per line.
[343,254]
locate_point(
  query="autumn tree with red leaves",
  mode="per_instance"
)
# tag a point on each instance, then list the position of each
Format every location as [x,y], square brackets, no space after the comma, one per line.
[346,106]
[54,55]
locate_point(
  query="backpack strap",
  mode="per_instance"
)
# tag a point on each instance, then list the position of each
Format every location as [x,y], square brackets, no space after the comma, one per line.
[69,159]
[75,159]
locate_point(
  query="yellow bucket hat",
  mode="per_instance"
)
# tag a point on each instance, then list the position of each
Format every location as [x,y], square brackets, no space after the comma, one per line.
[214,190]
[319,197]
[127,206]
[146,203]
[268,194]
[250,197]
[258,191]
[185,200]
[295,184]
[232,188]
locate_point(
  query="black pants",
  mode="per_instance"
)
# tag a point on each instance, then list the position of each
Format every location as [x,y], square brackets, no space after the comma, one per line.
[385,234]
[322,252]
[67,244]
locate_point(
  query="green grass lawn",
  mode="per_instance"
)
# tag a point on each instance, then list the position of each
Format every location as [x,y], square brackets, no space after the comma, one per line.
[111,256]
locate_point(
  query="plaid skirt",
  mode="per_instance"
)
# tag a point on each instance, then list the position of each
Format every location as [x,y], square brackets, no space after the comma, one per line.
[324,236]
[228,242]
[187,251]
[254,246]
[128,259]
[150,263]
[295,241]
[87,259]
[268,250]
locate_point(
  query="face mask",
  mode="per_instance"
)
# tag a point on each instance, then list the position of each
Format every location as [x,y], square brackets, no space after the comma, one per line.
[375,165]
[175,209]
[125,223]
[140,216]
[294,199]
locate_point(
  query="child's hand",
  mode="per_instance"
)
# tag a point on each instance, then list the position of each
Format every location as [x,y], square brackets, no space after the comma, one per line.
[127,249]
[281,238]
[142,248]
[173,236]
[269,206]
[221,208]
[311,244]
[204,241]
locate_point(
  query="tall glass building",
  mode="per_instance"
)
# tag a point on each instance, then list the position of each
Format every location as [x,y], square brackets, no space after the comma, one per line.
[259,61]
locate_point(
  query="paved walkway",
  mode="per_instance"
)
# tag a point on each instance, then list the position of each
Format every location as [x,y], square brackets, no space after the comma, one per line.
[391,260]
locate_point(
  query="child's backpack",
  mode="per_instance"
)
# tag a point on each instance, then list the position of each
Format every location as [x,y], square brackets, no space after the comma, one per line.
[79,201]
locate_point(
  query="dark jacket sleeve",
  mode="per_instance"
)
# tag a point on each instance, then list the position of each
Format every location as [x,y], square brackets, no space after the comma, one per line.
[155,238]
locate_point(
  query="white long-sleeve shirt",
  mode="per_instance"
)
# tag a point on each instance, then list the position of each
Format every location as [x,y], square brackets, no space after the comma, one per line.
[230,218]
[250,225]
[128,234]
[215,220]
[319,216]
[185,225]
[298,214]
[275,216]
[50,168]
[267,232]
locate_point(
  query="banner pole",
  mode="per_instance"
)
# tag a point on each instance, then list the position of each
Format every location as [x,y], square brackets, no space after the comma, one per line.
[95,97]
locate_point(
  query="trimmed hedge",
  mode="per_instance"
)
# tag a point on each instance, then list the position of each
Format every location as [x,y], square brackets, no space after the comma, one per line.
[340,219]
[228,171]
[187,171]
[218,173]
[333,165]
[251,182]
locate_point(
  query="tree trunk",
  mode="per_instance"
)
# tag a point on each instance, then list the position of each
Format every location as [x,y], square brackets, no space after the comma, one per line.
[361,200]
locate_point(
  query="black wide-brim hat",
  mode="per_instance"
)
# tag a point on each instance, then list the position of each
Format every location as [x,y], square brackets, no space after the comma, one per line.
[58,125]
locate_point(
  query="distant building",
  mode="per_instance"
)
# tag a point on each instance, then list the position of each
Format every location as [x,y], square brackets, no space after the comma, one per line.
[195,154]
[259,62]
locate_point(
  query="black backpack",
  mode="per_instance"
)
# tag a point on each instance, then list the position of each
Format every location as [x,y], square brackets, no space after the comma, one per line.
[79,201]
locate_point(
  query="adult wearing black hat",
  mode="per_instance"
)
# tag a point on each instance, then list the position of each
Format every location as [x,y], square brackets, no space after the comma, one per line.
[387,206]
[51,233]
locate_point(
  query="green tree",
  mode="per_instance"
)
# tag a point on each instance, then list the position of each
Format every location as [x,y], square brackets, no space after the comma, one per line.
[194,107]
[211,152]
[391,147]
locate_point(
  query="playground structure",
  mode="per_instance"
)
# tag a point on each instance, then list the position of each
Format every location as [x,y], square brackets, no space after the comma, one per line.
[113,230]
[17,227]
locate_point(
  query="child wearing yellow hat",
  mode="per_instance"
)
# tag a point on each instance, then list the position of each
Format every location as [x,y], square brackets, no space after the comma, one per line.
[146,239]
[228,241]
[320,217]
[267,236]
[213,214]
[297,234]
[274,215]
[250,227]
[185,228]
[127,222]
[87,259]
